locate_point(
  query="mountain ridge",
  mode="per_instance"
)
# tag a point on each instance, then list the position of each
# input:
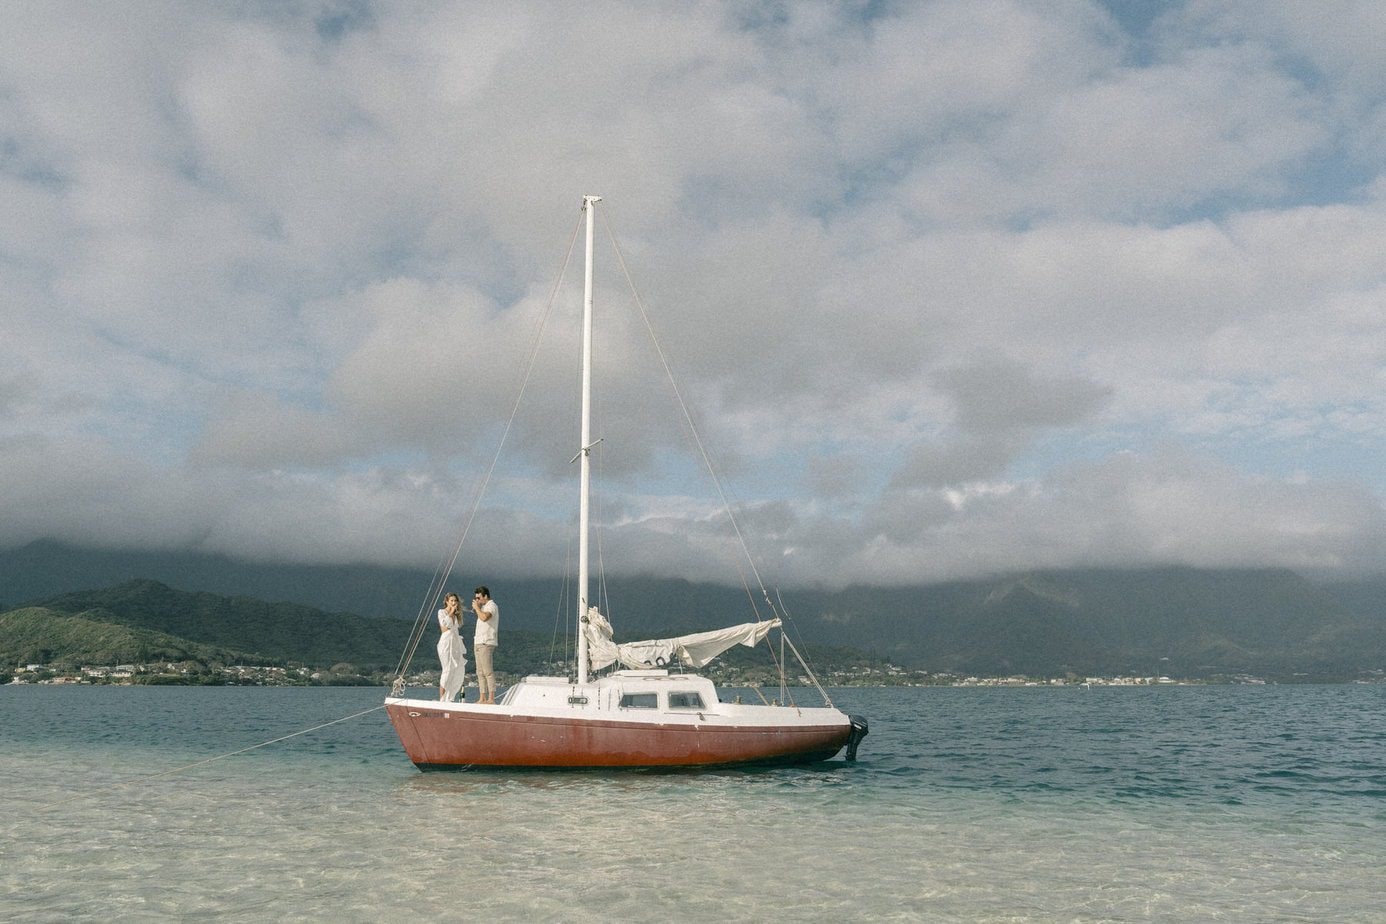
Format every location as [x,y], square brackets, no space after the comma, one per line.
[146,622]
[1171,620]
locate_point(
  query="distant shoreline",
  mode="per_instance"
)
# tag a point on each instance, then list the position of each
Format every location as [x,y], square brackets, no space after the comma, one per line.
[425,682]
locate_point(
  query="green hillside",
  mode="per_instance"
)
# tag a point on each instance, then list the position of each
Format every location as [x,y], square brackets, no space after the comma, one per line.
[36,635]
[263,632]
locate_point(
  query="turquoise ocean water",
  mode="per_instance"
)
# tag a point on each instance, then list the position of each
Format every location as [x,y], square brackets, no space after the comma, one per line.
[1110,804]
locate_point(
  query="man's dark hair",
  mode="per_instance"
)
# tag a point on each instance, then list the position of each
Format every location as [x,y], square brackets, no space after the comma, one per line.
[484,591]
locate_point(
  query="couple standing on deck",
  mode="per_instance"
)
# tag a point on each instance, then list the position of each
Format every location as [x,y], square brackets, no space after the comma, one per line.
[452,651]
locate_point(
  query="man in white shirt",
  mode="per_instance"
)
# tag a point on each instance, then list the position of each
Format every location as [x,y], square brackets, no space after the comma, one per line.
[484,642]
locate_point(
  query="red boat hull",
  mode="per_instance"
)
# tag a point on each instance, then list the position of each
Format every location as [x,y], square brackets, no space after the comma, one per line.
[438,739]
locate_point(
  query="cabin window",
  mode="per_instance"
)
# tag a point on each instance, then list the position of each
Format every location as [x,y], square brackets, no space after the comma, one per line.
[640,701]
[685,701]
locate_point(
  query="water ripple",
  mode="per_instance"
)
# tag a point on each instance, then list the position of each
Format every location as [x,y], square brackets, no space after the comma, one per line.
[1202,803]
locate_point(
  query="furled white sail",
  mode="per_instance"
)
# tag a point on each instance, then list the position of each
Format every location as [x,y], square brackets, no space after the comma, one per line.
[693,650]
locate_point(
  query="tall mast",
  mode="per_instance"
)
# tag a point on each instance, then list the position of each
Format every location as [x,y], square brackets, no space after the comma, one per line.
[589,205]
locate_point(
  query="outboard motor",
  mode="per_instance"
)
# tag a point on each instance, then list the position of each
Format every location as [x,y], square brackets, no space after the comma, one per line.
[858,732]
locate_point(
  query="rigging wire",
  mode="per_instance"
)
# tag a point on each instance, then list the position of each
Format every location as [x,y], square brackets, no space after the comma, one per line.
[697,441]
[803,662]
[562,605]
[485,481]
[687,416]
[784,684]
[707,463]
[416,634]
[711,470]
[603,595]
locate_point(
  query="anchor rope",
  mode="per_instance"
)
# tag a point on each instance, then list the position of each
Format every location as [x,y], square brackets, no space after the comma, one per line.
[154,776]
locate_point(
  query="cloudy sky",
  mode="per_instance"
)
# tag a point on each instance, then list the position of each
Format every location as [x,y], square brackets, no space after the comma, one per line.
[952,288]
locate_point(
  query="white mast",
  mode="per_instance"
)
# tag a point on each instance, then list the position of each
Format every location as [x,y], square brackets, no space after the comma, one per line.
[589,205]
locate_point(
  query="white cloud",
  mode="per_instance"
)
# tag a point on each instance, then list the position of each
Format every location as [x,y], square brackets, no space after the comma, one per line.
[273,274]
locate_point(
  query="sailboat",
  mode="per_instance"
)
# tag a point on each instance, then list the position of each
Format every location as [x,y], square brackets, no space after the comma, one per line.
[646,711]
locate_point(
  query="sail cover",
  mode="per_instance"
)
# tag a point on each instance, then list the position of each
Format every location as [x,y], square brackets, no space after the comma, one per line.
[693,650]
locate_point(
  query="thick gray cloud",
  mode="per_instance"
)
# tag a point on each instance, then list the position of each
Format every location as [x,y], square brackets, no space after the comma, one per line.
[1000,409]
[949,287]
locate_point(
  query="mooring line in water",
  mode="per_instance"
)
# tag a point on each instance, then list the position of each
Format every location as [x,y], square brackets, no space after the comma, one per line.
[152,776]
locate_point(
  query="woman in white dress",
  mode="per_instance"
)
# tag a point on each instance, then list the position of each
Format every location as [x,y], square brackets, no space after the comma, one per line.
[452,651]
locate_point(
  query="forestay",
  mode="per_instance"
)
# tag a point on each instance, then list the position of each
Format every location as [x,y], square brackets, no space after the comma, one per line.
[694,650]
